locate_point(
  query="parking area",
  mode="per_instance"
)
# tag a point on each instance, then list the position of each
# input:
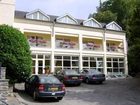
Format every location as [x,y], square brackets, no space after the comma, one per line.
[111,92]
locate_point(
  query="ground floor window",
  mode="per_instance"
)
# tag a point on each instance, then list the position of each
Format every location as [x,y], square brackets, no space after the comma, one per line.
[39,62]
[66,62]
[115,66]
[93,63]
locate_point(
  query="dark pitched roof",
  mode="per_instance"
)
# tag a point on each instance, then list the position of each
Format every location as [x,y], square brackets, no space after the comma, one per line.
[22,15]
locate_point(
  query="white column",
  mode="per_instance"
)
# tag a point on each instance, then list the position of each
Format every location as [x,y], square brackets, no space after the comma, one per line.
[22,30]
[80,50]
[104,48]
[52,61]
[53,47]
[125,56]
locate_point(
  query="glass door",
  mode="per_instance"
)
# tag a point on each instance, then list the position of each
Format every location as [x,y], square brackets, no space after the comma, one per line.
[40,66]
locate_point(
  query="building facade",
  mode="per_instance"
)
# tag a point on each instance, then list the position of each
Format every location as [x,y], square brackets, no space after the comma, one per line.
[63,42]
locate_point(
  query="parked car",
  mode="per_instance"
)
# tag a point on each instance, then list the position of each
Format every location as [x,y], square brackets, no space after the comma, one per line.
[69,76]
[93,75]
[43,86]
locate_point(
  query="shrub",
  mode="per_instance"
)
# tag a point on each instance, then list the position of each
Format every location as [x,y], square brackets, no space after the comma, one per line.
[15,54]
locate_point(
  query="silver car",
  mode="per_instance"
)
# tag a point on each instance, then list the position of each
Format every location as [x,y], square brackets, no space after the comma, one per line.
[93,75]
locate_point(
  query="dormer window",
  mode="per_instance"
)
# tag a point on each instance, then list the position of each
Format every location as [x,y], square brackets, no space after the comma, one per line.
[113,26]
[67,19]
[92,23]
[38,15]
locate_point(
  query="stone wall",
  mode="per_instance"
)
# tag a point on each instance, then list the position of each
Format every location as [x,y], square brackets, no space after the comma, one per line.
[4,83]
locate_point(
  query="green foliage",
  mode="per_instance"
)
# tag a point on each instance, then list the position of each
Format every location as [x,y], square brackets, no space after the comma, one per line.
[14,54]
[134,26]
[122,9]
[105,16]
[134,58]
[134,39]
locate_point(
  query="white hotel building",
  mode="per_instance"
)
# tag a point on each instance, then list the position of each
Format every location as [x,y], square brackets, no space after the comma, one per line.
[63,42]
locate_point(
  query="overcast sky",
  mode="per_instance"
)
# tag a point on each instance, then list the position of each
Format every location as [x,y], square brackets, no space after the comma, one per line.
[77,8]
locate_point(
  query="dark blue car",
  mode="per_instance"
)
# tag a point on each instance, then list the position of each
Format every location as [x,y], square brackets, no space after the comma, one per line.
[43,86]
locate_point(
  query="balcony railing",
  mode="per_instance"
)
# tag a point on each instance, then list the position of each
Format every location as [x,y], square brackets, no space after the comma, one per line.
[115,49]
[66,44]
[34,42]
[92,46]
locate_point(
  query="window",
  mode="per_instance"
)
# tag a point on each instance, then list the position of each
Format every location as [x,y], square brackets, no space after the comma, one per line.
[67,19]
[92,23]
[66,62]
[93,63]
[115,66]
[113,26]
[38,15]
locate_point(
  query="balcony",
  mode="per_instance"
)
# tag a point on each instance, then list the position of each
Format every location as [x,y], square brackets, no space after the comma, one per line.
[115,46]
[39,40]
[92,44]
[63,42]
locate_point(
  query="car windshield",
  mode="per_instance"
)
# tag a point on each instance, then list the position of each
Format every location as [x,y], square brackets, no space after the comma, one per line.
[71,72]
[94,72]
[49,79]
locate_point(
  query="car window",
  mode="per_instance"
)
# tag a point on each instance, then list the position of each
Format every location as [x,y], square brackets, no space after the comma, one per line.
[49,79]
[31,80]
[94,72]
[70,72]
[85,71]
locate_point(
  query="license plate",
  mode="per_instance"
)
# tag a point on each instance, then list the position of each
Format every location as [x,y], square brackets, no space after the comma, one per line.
[74,77]
[54,89]
[53,93]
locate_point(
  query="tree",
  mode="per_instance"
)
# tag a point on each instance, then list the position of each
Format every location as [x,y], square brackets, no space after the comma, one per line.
[105,16]
[14,54]
[134,39]
[122,10]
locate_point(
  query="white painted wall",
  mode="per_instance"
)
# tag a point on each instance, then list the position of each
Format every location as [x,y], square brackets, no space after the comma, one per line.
[7,8]
[78,32]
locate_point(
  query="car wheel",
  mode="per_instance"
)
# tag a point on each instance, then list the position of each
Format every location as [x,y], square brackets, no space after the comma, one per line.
[59,98]
[78,84]
[35,96]
[87,80]
[101,82]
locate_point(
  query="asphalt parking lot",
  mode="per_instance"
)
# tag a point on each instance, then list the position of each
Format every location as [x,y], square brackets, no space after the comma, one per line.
[111,92]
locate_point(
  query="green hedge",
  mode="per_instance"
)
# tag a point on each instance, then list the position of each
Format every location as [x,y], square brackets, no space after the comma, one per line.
[15,54]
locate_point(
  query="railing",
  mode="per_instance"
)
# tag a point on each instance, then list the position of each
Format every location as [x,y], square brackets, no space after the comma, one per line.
[66,44]
[115,49]
[92,46]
